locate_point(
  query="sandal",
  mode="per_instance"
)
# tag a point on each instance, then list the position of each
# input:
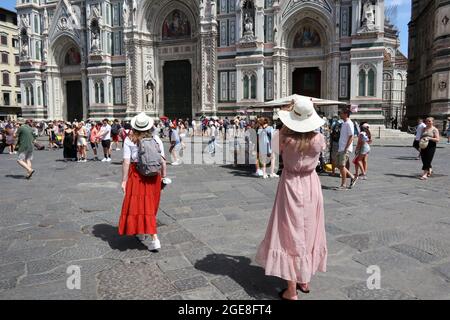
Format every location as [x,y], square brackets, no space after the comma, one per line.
[281,295]
[299,287]
[423,177]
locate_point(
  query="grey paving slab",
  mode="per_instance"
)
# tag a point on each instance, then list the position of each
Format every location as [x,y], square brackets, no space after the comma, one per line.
[191,283]
[173,263]
[134,281]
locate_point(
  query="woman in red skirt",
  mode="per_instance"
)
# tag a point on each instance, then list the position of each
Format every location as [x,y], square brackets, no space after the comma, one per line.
[142,193]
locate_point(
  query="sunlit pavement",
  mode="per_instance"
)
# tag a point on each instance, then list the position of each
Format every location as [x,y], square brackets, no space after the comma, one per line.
[212,219]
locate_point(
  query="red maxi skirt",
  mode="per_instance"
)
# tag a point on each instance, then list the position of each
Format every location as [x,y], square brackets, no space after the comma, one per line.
[140,204]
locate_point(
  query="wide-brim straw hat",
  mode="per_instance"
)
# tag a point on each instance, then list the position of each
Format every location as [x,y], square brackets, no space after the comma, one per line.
[142,122]
[302,117]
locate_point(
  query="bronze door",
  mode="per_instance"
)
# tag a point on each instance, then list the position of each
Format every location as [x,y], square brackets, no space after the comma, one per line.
[178,89]
[306,82]
[74,101]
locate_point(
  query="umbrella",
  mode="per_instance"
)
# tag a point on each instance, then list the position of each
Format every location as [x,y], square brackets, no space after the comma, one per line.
[163,118]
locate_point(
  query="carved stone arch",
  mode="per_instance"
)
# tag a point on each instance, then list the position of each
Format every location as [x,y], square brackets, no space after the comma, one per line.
[154,12]
[310,23]
[192,17]
[249,73]
[317,17]
[367,66]
[62,43]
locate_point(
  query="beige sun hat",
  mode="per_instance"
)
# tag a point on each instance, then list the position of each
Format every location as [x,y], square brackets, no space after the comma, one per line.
[303,117]
[142,122]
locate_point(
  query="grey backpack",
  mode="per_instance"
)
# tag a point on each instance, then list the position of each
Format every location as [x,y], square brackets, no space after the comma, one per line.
[149,157]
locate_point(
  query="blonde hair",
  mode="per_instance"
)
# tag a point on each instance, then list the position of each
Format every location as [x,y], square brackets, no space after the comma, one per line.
[136,136]
[302,139]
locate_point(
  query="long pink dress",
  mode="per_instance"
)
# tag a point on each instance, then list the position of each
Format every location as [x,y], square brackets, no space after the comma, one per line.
[295,247]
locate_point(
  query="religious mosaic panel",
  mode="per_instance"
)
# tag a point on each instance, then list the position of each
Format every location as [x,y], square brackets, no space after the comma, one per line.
[176,26]
[307,37]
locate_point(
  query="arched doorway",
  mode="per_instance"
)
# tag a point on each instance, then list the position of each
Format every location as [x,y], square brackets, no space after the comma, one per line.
[173,58]
[66,80]
[74,94]
[310,64]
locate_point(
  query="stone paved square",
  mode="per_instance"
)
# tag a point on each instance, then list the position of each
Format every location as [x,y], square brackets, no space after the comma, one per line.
[211,222]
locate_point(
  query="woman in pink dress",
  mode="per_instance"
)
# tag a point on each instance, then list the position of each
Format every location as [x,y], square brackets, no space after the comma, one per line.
[294,247]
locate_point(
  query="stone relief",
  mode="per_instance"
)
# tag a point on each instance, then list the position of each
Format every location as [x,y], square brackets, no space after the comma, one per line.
[368,12]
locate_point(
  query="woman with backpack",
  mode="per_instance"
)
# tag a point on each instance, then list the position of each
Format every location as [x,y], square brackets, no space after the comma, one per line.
[143,176]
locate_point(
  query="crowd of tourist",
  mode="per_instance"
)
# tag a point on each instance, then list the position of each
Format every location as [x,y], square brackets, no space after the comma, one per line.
[347,142]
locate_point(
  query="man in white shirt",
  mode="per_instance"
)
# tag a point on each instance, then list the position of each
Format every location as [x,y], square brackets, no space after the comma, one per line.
[105,136]
[194,126]
[345,149]
[419,131]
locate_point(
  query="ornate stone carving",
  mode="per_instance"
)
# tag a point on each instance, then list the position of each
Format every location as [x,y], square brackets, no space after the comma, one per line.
[126,13]
[24,21]
[95,36]
[294,4]
[45,20]
[368,12]
[24,43]
[445,20]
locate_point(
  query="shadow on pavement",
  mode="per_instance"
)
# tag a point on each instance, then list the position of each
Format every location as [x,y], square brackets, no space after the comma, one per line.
[111,235]
[15,176]
[329,188]
[411,176]
[242,170]
[251,278]
[406,158]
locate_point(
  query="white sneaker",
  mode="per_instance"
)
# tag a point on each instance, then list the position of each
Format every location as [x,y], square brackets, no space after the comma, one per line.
[84,160]
[265,176]
[176,163]
[108,160]
[117,149]
[258,173]
[154,245]
[104,160]
[274,175]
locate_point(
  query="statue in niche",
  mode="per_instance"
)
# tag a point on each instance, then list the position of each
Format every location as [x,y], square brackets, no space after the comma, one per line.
[95,42]
[368,14]
[126,13]
[149,96]
[45,20]
[24,38]
[95,36]
[248,24]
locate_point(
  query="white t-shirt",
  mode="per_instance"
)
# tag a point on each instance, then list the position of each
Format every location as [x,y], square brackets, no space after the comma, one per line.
[347,130]
[106,132]
[130,150]
[419,131]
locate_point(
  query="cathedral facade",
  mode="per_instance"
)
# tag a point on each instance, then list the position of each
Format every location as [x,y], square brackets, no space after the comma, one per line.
[428,90]
[183,58]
